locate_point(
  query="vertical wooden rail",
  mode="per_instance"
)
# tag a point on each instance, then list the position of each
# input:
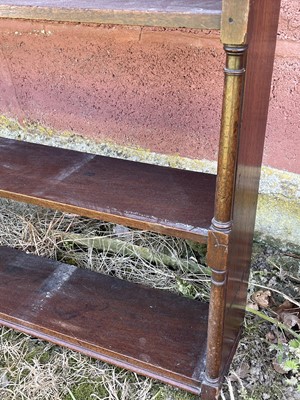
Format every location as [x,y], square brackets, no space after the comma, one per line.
[217,259]
[261,39]
[232,101]
[218,236]
[244,117]
[233,35]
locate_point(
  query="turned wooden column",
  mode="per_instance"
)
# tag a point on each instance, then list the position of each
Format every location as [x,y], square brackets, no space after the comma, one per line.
[218,236]
[228,145]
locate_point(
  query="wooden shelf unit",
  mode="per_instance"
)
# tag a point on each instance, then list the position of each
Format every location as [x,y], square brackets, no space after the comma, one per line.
[179,341]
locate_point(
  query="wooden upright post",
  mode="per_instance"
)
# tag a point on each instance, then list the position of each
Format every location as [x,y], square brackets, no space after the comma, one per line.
[252,25]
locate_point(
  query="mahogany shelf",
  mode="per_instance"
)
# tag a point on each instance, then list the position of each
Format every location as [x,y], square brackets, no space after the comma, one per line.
[152,332]
[201,14]
[161,199]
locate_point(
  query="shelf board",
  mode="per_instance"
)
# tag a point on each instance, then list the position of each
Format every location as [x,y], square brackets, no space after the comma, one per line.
[152,332]
[160,199]
[201,14]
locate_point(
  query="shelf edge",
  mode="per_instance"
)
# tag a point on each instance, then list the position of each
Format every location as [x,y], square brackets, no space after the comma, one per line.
[197,234]
[97,355]
[206,20]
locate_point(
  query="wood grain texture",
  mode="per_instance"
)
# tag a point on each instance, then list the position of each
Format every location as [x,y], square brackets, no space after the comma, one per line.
[161,199]
[262,30]
[149,331]
[217,254]
[234,21]
[228,142]
[203,14]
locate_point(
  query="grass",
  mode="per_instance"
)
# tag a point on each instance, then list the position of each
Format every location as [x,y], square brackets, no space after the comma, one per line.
[36,370]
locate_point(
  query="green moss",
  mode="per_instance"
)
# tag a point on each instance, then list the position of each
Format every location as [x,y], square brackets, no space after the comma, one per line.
[35,350]
[274,392]
[10,124]
[36,128]
[85,391]
[166,393]
[278,219]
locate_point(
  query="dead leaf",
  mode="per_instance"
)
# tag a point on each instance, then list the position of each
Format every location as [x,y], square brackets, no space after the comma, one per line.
[276,336]
[262,298]
[271,337]
[289,319]
[241,372]
[277,367]
[286,305]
